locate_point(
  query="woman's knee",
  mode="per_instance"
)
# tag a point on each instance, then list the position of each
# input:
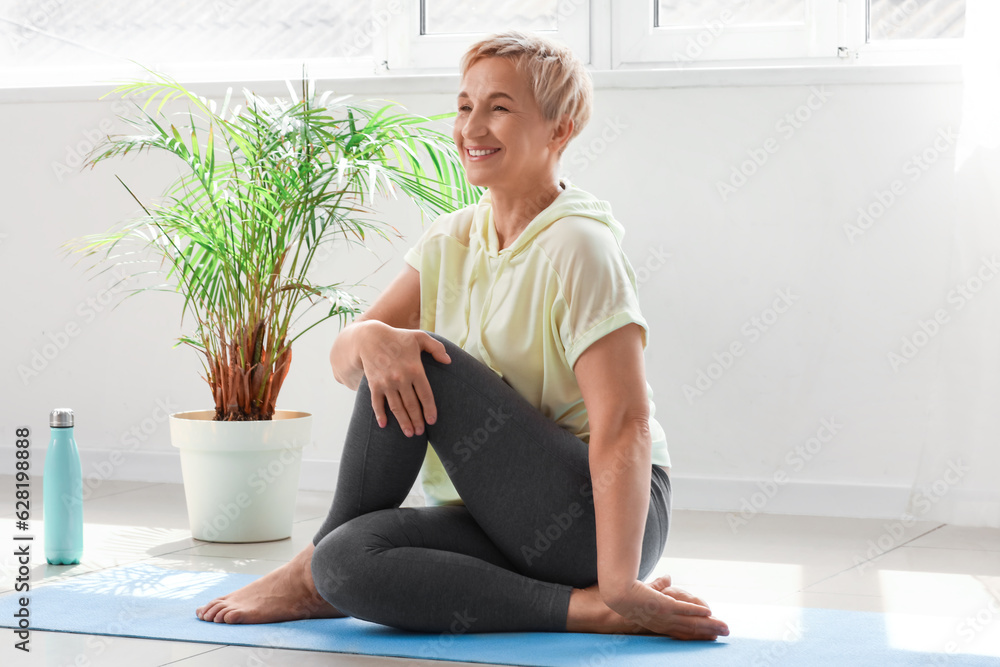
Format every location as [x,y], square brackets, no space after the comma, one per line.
[340,562]
[331,571]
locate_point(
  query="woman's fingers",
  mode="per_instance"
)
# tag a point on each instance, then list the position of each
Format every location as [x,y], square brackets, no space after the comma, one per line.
[662,584]
[414,413]
[423,390]
[681,594]
[401,382]
[378,407]
[701,631]
[690,608]
[710,628]
[398,409]
[411,406]
[436,348]
[691,627]
[701,624]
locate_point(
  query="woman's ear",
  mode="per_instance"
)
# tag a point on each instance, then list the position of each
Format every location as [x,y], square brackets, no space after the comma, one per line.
[562,132]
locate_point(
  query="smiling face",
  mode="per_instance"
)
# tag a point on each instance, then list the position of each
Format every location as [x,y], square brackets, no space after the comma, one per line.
[501,135]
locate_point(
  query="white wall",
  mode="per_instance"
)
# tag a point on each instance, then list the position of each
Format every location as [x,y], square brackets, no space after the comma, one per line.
[657,155]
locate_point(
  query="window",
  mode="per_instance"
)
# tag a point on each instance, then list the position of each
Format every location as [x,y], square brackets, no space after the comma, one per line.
[84,40]
[431,35]
[916,19]
[683,33]
[680,33]
[914,30]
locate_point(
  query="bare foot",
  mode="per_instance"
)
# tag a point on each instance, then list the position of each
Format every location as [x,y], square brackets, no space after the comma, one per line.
[589,613]
[286,594]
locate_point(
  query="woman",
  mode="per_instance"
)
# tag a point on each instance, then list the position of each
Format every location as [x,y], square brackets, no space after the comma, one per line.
[546,506]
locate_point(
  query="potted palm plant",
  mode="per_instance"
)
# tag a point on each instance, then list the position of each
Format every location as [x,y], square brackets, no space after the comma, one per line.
[265,189]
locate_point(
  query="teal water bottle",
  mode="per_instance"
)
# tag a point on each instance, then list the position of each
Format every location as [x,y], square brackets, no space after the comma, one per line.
[62,492]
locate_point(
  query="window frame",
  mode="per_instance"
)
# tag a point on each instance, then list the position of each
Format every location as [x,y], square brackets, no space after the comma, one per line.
[406,50]
[636,42]
[839,36]
[940,51]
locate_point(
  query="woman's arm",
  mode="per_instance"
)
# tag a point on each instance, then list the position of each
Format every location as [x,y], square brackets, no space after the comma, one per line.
[398,306]
[612,380]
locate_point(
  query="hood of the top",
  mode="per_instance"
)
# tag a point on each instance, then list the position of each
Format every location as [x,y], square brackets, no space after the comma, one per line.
[572,201]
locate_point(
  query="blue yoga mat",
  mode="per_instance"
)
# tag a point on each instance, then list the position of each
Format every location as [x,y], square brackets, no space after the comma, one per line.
[151,602]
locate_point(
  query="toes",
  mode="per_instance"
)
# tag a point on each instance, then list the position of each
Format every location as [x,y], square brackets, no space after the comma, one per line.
[220,615]
[231,616]
[201,611]
[214,609]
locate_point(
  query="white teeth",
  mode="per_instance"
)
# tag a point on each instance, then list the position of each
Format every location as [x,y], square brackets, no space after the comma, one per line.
[476,153]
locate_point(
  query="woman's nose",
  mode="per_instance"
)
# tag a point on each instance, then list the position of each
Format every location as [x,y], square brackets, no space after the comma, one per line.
[474,126]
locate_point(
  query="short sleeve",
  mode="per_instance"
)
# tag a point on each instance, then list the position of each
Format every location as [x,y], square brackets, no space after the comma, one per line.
[413,255]
[447,224]
[599,290]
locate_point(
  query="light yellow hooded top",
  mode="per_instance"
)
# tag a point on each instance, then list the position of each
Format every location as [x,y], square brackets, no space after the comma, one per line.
[530,310]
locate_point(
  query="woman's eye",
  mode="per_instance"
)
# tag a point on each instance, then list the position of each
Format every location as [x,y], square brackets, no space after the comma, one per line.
[466,107]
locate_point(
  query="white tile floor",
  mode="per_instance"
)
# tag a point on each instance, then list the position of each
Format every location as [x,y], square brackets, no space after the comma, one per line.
[948,574]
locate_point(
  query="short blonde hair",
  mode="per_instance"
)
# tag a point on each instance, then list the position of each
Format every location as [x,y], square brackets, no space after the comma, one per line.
[559,81]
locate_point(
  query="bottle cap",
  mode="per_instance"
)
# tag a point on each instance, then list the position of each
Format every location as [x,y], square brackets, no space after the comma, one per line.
[61,418]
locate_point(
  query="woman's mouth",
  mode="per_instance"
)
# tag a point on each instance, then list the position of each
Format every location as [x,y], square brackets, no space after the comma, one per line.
[479,154]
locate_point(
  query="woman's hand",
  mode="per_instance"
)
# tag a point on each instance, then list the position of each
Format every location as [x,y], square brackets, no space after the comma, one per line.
[395,373]
[669,611]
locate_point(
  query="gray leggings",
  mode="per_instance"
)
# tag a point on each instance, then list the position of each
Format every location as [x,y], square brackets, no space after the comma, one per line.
[509,558]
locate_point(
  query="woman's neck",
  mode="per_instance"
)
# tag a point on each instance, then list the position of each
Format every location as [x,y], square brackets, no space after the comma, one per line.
[513,210]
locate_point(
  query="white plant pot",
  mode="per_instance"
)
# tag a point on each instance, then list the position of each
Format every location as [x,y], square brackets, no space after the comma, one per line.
[240,478]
